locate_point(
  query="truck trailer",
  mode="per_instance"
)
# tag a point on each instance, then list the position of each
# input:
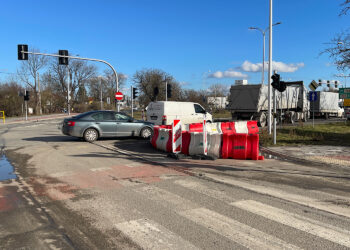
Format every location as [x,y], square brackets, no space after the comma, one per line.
[326,105]
[250,102]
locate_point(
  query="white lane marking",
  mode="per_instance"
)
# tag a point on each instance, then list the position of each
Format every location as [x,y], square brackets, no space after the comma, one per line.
[150,235]
[317,228]
[100,169]
[158,194]
[62,174]
[238,232]
[303,200]
[198,187]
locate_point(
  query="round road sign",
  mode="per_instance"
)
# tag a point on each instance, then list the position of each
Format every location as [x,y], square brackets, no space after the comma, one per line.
[119,96]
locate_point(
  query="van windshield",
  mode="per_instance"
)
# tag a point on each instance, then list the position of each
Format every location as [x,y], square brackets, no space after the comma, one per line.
[198,109]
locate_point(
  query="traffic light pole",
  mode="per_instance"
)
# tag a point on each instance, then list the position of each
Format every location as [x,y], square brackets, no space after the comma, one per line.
[81,58]
[132,102]
[166,91]
[68,92]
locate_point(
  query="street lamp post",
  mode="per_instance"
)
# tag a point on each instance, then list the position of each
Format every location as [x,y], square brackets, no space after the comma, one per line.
[263,32]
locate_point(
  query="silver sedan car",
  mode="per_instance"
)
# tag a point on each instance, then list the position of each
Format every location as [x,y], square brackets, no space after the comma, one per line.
[95,124]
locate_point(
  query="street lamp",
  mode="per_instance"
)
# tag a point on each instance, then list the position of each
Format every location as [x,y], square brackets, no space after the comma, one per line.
[263,32]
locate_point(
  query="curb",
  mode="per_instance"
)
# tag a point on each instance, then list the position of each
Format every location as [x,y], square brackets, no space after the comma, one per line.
[37,119]
[297,159]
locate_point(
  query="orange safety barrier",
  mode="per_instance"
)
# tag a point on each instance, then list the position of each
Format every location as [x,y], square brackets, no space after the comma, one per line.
[240,146]
[228,127]
[186,139]
[155,136]
[253,127]
[196,127]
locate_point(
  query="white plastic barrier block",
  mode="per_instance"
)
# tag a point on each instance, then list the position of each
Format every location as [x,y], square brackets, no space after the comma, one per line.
[214,144]
[162,139]
[196,144]
[214,127]
[241,127]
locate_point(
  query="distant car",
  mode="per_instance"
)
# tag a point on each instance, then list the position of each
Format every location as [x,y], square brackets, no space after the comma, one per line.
[96,124]
[347,113]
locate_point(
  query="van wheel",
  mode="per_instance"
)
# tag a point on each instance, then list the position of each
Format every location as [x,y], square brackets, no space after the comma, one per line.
[90,135]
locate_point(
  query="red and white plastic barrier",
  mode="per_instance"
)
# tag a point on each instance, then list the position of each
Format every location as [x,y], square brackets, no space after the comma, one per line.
[176,136]
[237,140]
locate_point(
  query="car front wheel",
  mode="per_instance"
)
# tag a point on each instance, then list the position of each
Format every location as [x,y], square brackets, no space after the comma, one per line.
[146,133]
[90,135]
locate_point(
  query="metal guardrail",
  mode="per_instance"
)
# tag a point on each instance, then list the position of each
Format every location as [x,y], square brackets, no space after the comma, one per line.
[3,116]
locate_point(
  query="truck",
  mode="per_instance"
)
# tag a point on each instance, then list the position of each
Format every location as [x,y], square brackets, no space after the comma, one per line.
[250,102]
[326,105]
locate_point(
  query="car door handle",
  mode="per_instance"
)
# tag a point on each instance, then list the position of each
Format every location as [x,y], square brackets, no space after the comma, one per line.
[97,123]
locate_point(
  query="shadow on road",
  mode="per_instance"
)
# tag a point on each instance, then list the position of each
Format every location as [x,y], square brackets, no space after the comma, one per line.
[56,138]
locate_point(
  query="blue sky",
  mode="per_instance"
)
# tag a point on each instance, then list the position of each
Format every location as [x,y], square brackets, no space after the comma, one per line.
[199,42]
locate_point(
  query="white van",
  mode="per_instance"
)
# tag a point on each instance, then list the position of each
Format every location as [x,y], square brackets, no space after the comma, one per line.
[164,113]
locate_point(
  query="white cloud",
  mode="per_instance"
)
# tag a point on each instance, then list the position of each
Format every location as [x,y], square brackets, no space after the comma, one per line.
[184,83]
[227,74]
[122,76]
[279,66]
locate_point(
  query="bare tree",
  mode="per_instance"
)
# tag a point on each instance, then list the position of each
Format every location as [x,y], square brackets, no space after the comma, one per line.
[29,72]
[346,7]
[79,73]
[148,79]
[339,50]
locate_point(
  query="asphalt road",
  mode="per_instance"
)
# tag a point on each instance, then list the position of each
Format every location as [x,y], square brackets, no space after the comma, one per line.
[122,194]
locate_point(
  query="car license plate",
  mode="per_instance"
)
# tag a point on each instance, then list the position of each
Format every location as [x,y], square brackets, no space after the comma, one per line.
[154,117]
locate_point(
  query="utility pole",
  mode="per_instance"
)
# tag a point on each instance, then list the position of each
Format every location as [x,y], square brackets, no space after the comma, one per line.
[166,90]
[270,70]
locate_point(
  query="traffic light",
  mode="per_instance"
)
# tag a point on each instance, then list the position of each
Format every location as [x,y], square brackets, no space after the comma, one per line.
[168,90]
[134,93]
[63,60]
[22,48]
[328,84]
[277,83]
[26,95]
[335,84]
[319,82]
[155,91]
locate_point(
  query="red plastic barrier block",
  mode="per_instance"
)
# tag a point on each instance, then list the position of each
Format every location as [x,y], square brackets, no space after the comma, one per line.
[155,136]
[240,146]
[165,126]
[196,127]
[228,127]
[169,144]
[186,139]
[253,127]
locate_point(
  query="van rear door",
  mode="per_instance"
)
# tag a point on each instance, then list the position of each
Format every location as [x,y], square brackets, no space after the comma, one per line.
[155,112]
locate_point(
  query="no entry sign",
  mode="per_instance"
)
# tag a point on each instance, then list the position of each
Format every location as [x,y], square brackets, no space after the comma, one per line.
[119,96]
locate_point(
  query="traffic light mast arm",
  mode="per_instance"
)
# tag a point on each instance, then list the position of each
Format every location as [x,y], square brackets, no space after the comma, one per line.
[80,58]
[294,83]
